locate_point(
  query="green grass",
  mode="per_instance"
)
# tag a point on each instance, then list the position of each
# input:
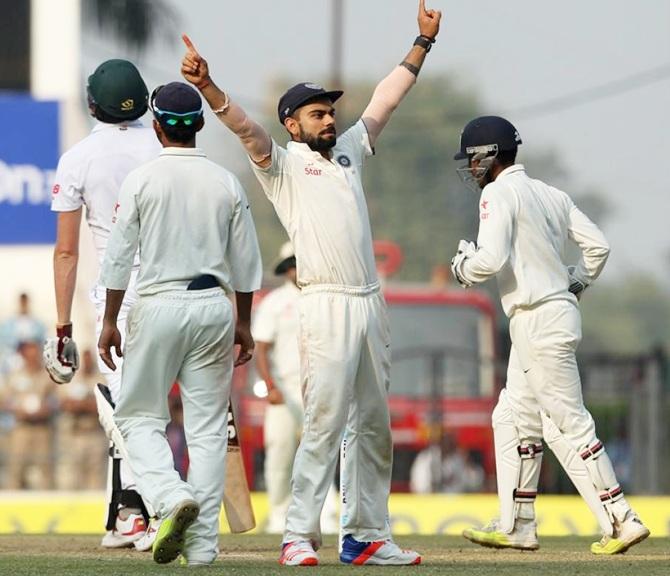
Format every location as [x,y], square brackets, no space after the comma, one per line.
[257,555]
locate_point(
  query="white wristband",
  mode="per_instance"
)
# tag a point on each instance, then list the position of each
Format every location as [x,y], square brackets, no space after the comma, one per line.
[224,108]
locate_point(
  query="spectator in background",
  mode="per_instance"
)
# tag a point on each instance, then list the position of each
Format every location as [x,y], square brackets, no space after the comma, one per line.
[446,468]
[22,327]
[28,395]
[82,443]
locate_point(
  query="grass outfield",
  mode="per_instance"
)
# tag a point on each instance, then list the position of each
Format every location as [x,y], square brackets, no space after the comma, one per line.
[257,555]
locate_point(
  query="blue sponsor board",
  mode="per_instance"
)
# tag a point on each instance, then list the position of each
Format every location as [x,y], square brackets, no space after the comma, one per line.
[29,149]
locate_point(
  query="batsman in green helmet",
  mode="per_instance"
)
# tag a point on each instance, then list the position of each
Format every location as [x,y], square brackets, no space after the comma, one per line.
[90,174]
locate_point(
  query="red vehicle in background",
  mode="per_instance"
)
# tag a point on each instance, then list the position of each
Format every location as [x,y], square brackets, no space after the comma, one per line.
[443,379]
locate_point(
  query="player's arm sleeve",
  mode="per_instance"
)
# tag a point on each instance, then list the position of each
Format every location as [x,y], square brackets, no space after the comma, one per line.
[254,138]
[243,253]
[356,142]
[494,241]
[387,96]
[67,192]
[592,242]
[123,240]
[272,178]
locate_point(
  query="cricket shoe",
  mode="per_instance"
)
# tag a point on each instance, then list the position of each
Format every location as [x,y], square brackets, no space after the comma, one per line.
[125,533]
[523,537]
[146,542]
[169,541]
[380,552]
[627,533]
[298,553]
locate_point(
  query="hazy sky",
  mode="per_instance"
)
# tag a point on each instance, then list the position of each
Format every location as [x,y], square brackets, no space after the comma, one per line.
[515,54]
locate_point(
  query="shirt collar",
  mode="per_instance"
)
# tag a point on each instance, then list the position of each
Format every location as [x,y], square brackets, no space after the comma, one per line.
[99,126]
[177,151]
[304,150]
[511,170]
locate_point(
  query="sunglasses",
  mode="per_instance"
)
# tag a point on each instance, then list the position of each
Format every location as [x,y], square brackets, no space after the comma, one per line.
[173,118]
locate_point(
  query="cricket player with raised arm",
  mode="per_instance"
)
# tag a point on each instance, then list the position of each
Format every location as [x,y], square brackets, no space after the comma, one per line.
[315,186]
[191,222]
[90,175]
[524,228]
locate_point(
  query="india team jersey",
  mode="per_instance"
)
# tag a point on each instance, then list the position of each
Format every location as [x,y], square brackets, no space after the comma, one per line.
[91,172]
[276,322]
[523,230]
[322,206]
[188,217]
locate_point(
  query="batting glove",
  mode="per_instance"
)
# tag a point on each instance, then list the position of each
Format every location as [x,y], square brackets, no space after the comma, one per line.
[577,287]
[465,250]
[61,357]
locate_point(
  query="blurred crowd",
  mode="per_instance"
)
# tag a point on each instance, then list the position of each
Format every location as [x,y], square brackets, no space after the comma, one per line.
[49,435]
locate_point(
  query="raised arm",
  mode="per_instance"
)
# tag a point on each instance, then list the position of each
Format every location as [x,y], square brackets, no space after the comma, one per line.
[392,89]
[252,135]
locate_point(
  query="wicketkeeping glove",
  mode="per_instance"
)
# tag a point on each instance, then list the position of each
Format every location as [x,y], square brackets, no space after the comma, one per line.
[61,357]
[465,250]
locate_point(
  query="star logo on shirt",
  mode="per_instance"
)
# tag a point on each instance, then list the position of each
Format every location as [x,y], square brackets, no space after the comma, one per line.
[484,204]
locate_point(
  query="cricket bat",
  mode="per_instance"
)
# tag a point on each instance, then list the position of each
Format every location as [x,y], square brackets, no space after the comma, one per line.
[236,497]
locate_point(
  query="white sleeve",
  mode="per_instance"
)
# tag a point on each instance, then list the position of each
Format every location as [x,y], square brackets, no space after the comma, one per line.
[273,178]
[594,246]
[242,251]
[124,238]
[264,326]
[494,241]
[356,141]
[67,193]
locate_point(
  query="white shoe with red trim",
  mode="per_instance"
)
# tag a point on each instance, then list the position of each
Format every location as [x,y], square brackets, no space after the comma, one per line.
[380,552]
[298,553]
[125,532]
[146,542]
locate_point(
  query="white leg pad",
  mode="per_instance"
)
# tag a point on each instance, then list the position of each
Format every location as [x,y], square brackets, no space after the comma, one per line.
[517,465]
[578,471]
[106,418]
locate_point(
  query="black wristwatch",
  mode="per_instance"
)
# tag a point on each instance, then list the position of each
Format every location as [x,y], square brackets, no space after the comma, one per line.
[425,42]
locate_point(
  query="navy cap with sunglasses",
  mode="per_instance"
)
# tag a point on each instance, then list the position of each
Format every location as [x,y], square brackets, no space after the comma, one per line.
[176,103]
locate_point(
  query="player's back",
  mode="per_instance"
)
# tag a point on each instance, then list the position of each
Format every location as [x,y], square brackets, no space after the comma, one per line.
[194,220]
[535,270]
[92,171]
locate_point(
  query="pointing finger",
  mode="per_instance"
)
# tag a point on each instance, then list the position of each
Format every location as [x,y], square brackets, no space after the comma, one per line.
[188,43]
[422,6]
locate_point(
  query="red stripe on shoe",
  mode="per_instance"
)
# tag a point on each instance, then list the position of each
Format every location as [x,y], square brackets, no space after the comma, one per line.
[363,557]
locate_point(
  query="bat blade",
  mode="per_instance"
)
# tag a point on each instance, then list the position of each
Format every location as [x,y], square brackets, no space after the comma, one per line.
[236,496]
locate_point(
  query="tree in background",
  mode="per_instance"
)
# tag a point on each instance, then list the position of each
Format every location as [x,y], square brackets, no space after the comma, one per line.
[136,23]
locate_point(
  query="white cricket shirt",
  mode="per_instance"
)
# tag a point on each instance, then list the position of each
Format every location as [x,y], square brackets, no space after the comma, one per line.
[523,230]
[189,217]
[322,206]
[276,321]
[91,172]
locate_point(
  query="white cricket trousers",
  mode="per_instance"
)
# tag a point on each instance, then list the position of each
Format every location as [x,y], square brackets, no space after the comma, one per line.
[345,361]
[543,373]
[185,336]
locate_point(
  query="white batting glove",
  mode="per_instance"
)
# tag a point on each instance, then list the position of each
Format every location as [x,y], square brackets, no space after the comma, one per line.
[577,287]
[465,250]
[61,357]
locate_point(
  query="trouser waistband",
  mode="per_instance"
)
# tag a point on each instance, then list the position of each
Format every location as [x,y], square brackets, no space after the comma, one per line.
[341,289]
